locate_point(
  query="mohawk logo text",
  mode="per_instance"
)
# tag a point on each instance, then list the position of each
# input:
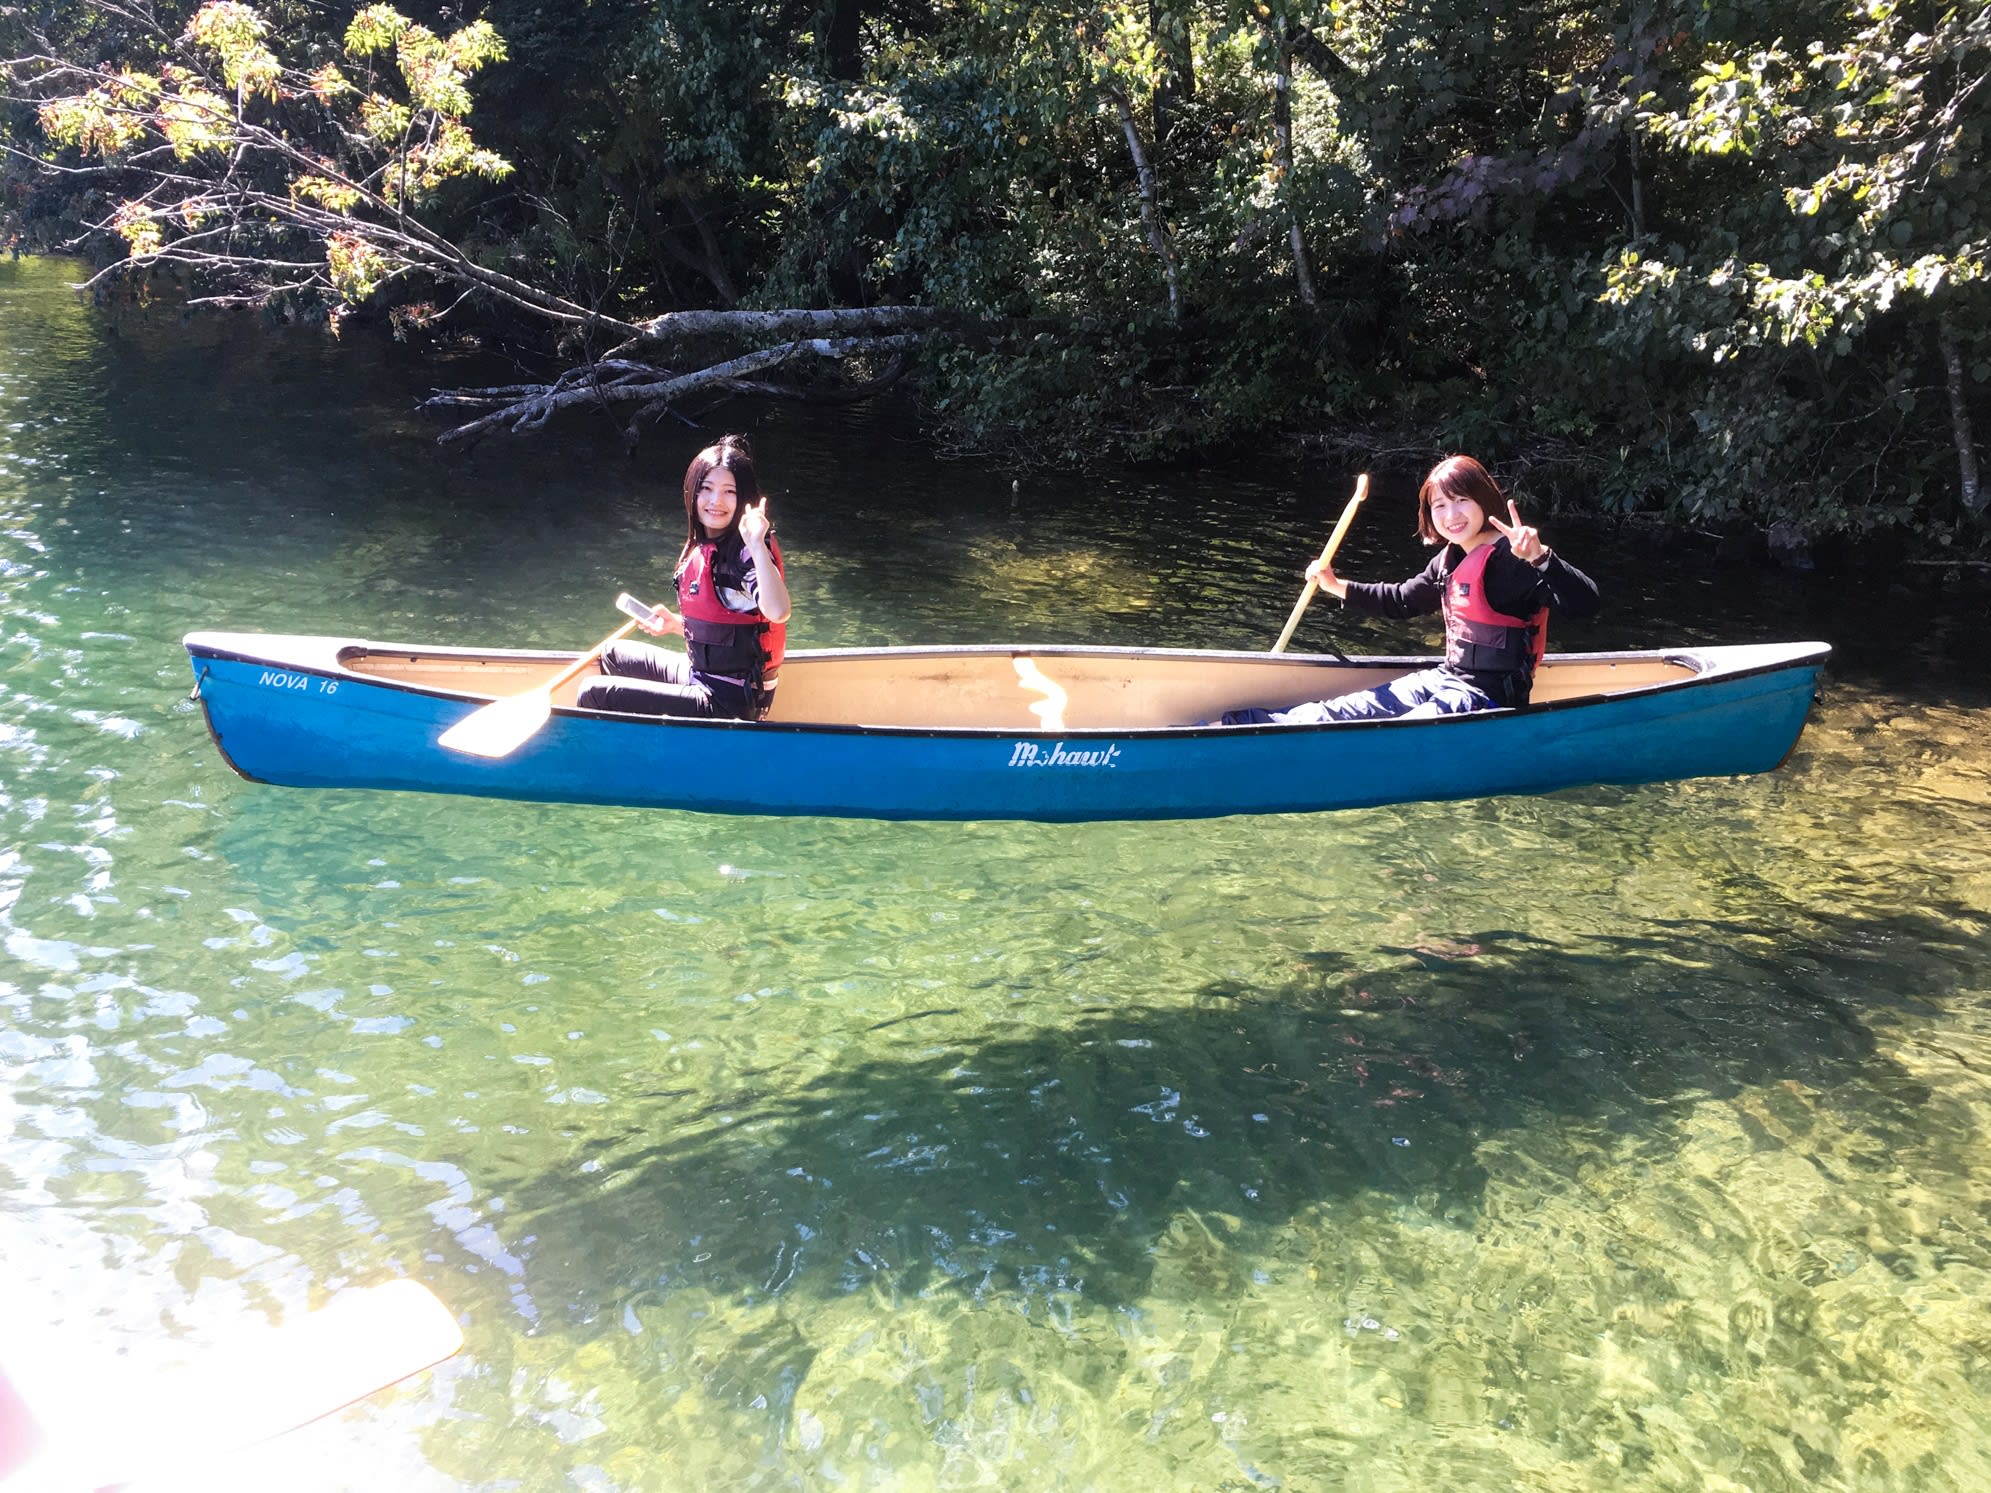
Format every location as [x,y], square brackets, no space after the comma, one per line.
[1030,754]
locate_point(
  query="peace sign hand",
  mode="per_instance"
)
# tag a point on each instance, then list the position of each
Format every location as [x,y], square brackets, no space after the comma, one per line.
[1524,540]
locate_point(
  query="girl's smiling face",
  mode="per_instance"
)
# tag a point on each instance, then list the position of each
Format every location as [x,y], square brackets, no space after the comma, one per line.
[718,498]
[1459,521]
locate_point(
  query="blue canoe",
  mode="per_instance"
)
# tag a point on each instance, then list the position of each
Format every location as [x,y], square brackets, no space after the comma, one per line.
[1054,733]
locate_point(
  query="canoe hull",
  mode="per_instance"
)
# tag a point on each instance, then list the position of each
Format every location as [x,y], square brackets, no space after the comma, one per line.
[280,718]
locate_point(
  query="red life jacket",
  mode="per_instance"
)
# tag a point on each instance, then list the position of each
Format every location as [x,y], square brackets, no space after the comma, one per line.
[721,641]
[1477,638]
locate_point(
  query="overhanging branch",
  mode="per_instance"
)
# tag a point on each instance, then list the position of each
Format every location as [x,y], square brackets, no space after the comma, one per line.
[678,326]
[614,384]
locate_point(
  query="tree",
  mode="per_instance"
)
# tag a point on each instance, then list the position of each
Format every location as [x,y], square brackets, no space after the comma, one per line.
[275,181]
[987,175]
[1717,260]
[1841,290]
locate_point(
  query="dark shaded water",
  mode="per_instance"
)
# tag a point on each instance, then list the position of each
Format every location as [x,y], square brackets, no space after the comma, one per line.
[1621,1138]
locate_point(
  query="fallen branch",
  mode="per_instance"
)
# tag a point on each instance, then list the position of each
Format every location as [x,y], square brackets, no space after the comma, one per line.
[618,383]
[677,326]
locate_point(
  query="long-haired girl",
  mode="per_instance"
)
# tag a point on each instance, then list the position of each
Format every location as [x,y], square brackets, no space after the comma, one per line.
[732,606]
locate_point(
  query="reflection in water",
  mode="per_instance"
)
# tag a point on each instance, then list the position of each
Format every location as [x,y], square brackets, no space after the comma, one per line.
[1619,1138]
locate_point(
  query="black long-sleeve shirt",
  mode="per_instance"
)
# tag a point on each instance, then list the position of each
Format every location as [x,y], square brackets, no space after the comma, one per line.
[1511,585]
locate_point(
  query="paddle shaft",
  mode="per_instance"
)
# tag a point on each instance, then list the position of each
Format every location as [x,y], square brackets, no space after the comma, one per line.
[1326,556]
[589,657]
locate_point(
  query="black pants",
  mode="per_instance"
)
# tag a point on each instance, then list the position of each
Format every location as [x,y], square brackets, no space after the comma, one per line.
[638,679]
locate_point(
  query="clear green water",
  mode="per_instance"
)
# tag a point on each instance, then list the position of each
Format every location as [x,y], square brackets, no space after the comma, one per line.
[1618,1139]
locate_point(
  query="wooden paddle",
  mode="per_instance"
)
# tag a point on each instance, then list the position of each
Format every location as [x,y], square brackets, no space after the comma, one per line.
[503,726]
[1326,555]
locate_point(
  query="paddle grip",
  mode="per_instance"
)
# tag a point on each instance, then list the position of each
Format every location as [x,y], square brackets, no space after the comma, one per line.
[1347,518]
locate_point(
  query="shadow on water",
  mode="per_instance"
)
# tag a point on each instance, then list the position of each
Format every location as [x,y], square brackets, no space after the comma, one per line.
[708,1099]
[1051,1162]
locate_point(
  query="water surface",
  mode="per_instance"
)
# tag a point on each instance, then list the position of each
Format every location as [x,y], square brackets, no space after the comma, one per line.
[1618,1138]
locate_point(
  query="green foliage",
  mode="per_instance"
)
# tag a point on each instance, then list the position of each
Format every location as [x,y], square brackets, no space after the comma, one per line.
[1807,293]
[1680,256]
[246,132]
[232,34]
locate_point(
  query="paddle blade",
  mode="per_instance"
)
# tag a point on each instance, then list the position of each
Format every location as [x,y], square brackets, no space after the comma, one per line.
[274,1379]
[362,1341]
[115,1421]
[502,727]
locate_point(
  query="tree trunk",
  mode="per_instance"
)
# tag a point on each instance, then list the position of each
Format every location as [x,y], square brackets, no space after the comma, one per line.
[1150,201]
[715,257]
[1282,145]
[1972,490]
[843,38]
[1642,45]
[1178,76]
[675,326]
[1316,54]
[1638,191]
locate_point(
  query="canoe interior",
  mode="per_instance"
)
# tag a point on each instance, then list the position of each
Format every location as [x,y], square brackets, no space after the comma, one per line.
[1015,689]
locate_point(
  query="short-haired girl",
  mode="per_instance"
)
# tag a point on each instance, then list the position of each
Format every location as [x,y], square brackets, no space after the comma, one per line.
[1495,582]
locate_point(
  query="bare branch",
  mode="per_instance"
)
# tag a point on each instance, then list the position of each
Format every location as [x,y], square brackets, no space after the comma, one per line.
[676,326]
[528,407]
[1150,194]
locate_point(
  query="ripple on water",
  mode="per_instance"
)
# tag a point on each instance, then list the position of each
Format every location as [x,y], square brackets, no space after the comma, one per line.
[1611,1139]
